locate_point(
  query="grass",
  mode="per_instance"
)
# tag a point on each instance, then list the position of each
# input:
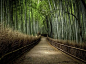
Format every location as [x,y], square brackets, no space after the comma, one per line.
[11,40]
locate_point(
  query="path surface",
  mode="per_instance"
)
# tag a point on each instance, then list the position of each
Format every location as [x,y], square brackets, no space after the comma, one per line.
[44,53]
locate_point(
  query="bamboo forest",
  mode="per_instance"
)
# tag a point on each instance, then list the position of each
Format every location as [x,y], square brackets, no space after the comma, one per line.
[23,22]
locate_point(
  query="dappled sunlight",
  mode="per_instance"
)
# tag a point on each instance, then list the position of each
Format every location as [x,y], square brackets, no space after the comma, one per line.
[41,53]
[50,52]
[46,52]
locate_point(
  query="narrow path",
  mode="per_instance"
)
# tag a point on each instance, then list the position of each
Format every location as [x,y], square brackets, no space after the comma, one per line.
[44,53]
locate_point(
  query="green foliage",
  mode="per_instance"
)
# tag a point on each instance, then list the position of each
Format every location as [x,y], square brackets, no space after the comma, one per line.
[62,19]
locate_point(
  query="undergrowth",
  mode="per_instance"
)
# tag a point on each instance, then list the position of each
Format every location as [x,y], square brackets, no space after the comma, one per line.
[11,40]
[70,43]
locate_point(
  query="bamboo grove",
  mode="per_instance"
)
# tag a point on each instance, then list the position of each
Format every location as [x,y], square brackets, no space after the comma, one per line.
[60,19]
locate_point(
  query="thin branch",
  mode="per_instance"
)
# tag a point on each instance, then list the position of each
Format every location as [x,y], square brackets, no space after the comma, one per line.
[72,15]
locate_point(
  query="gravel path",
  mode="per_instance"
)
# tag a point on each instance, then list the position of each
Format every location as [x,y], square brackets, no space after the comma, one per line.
[44,53]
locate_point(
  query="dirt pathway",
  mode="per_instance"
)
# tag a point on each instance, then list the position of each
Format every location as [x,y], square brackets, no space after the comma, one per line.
[44,53]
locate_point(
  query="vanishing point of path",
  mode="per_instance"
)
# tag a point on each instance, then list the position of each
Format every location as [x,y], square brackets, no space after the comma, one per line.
[44,53]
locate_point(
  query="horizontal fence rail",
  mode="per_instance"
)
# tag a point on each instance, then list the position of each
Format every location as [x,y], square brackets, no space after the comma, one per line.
[13,54]
[70,50]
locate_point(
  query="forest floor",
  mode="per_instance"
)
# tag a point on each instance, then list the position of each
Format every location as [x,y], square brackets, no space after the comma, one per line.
[44,53]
